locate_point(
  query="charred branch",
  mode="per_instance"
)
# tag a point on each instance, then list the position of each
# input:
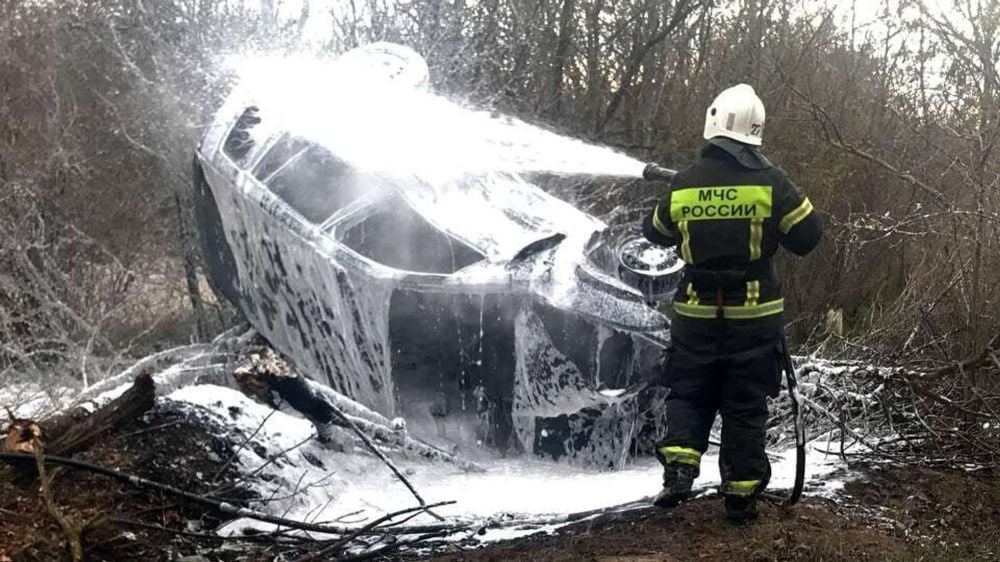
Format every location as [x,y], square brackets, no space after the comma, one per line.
[268,378]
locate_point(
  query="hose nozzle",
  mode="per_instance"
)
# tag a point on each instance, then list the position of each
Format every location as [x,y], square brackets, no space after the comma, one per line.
[654,172]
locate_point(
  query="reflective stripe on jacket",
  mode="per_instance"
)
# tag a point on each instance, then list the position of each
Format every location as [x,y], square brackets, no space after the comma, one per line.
[727,214]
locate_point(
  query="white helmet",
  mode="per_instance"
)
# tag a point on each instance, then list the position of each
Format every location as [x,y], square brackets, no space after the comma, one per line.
[736,113]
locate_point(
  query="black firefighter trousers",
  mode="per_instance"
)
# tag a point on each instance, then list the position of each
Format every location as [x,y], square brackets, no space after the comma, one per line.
[728,367]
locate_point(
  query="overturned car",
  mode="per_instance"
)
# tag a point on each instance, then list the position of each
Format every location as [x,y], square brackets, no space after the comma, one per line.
[485,312]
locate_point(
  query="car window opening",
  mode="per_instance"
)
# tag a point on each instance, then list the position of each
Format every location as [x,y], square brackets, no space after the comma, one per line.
[240,140]
[399,237]
[281,153]
[309,178]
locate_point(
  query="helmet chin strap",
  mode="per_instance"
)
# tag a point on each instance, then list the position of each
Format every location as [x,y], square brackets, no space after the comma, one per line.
[747,155]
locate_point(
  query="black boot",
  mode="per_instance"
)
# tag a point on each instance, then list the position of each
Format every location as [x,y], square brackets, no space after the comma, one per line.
[741,509]
[677,481]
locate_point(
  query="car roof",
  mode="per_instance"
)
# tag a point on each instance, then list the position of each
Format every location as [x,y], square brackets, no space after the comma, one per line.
[497,213]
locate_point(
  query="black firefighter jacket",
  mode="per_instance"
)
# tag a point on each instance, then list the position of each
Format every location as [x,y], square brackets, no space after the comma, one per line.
[727,214]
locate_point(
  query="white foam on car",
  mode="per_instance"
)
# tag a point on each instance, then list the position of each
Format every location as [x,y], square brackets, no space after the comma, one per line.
[329,311]
[372,108]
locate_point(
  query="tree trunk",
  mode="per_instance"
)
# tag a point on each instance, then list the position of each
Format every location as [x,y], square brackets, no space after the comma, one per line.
[190,269]
[560,56]
[78,430]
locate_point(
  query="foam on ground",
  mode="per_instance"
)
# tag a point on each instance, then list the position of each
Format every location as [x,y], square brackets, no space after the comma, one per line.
[343,483]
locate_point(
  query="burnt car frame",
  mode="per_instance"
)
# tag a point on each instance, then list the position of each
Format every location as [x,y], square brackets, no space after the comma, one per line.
[485,312]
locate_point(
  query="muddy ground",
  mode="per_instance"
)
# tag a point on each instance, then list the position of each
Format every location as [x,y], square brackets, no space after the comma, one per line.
[892,513]
[171,444]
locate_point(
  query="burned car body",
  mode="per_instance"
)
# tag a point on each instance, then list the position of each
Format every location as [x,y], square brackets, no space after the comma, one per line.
[481,309]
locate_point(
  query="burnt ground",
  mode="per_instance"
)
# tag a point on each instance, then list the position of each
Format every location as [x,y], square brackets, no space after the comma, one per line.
[896,514]
[172,444]
[891,513]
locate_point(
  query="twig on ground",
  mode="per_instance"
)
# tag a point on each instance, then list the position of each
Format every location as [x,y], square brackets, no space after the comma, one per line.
[149,429]
[243,445]
[204,536]
[338,545]
[259,469]
[70,529]
[393,547]
[378,453]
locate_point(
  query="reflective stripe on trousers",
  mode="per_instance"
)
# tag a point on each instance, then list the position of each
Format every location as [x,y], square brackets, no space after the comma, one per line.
[684,455]
[741,488]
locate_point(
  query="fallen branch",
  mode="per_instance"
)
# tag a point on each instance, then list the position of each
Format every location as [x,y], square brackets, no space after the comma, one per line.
[176,367]
[335,548]
[268,376]
[77,430]
[971,363]
[378,453]
[70,529]
[271,373]
[253,538]
[143,365]
[393,547]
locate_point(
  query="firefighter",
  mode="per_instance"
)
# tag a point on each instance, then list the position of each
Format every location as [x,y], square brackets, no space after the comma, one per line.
[727,214]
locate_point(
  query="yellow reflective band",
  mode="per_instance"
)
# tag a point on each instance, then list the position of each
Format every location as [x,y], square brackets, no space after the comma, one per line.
[731,312]
[796,216]
[753,293]
[692,294]
[694,310]
[685,242]
[758,311]
[756,236]
[742,488]
[683,455]
[721,203]
[658,224]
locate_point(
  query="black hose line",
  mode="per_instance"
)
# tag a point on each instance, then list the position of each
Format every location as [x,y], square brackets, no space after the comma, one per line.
[800,431]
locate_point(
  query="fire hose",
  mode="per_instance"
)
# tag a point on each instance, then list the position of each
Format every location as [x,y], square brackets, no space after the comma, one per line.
[800,430]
